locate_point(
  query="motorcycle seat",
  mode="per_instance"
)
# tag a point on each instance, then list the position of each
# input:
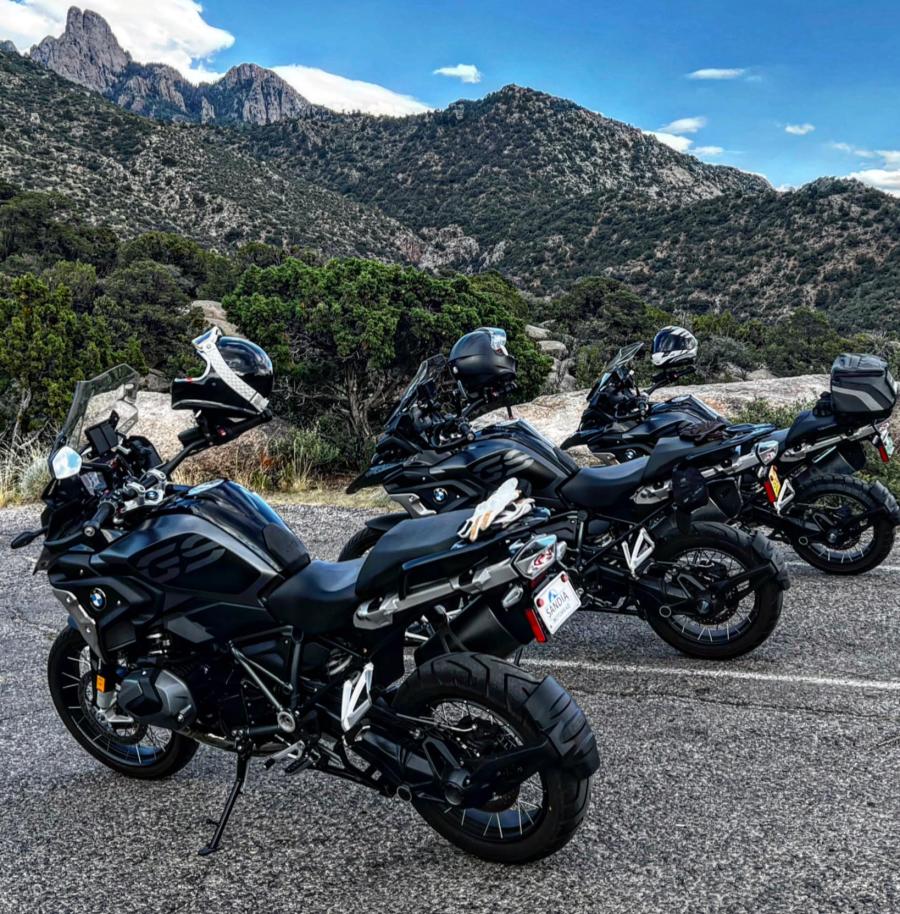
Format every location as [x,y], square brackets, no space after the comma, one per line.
[602,487]
[808,425]
[410,539]
[319,598]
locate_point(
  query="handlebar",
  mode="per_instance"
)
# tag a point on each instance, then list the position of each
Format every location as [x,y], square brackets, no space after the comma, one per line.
[101,517]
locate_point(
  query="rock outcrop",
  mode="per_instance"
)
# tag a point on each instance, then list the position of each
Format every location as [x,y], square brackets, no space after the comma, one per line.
[558,415]
[7,47]
[238,459]
[89,54]
[86,53]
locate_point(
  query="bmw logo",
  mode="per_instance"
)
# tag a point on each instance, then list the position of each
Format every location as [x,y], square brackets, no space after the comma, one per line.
[440,495]
[97,598]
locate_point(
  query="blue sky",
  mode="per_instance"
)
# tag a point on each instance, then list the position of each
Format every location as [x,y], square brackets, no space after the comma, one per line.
[804,89]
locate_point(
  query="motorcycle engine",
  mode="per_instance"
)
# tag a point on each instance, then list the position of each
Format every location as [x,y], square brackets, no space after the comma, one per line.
[157,697]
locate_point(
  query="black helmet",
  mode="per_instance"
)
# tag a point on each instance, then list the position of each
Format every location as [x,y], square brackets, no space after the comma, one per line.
[237,381]
[480,361]
[674,346]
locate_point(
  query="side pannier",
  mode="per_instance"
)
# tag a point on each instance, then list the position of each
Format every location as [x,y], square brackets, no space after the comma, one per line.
[862,387]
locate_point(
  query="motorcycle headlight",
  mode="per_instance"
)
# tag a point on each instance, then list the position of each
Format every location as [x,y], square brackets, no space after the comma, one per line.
[767,451]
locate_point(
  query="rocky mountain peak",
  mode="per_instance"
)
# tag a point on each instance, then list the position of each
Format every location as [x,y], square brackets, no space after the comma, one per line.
[86,53]
[7,47]
[254,95]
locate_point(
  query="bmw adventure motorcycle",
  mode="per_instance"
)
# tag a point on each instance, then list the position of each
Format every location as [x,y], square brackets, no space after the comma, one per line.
[638,539]
[197,616]
[810,499]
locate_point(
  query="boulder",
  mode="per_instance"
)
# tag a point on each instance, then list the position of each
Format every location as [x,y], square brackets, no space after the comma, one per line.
[537,333]
[238,459]
[557,415]
[555,348]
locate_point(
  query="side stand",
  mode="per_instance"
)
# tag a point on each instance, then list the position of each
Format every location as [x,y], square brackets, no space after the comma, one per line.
[240,778]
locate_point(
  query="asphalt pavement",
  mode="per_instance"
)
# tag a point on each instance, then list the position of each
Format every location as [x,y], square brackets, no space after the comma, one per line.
[768,784]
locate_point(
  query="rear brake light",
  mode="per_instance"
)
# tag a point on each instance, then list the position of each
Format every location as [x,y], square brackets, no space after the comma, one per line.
[536,628]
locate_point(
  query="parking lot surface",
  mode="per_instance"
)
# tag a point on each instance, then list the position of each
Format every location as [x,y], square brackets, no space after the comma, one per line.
[767,784]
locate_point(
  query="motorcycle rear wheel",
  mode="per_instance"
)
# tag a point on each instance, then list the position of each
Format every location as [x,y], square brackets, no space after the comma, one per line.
[546,810]
[145,753]
[360,543]
[711,550]
[831,494]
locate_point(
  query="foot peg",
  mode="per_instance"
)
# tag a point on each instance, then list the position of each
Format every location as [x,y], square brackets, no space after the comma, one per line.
[355,698]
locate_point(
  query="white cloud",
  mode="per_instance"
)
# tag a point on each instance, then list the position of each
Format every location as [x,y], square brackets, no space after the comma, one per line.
[466,72]
[799,129]
[709,151]
[884,179]
[174,32]
[718,73]
[165,31]
[854,150]
[685,125]
[678,143]
[342,94]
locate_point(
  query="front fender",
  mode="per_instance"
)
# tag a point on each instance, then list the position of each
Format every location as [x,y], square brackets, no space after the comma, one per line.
[555,713]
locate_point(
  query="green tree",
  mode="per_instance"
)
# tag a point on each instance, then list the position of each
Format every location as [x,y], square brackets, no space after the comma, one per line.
[45,346]
[346,336]
[148,300]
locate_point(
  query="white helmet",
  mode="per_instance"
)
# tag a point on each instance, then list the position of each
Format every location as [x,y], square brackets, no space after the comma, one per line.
[674,346]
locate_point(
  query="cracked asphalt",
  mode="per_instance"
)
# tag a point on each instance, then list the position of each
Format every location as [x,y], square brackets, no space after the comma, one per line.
[768,784]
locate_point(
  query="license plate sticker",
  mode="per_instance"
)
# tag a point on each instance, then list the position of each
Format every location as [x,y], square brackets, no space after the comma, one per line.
[775,483]
[555,602]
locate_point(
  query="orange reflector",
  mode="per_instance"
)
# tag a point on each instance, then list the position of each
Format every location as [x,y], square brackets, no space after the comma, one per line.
[101,683]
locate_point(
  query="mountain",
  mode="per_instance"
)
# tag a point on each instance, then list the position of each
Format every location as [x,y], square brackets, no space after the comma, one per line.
[534,186]
[88,53]
[137,174]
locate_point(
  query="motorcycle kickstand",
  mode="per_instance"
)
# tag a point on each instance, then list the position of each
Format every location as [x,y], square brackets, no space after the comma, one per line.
[240,778]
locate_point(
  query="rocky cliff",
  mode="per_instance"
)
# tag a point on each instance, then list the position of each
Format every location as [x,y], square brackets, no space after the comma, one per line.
[89,54]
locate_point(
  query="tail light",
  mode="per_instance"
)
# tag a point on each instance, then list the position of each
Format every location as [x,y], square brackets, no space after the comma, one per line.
[536,556]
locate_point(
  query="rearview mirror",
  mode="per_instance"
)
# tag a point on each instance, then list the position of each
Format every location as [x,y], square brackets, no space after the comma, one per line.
[66,462]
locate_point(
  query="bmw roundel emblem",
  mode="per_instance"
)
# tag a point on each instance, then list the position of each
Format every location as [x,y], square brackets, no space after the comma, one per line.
[97,598]
[440,495]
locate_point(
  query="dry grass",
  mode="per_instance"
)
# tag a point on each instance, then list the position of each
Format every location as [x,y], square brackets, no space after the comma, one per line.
[23,473]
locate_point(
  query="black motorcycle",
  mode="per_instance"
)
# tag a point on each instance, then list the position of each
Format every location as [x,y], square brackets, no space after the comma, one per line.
[638,540]
[810,498]
[196,616]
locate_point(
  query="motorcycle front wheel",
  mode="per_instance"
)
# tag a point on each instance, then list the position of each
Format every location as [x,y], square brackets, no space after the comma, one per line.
[841,505]
[738,624]
[123,744]
[480,701]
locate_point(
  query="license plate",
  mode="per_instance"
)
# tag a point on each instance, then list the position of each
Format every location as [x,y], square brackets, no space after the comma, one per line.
[556,601]
[775,483]
[887,442]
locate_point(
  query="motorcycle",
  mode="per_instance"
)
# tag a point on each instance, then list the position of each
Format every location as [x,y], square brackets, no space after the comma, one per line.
[810,499]
[644,537]
[197,616]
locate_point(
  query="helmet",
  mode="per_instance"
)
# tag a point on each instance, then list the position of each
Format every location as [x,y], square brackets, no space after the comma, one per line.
[674,346]
[237,381]
[480,360]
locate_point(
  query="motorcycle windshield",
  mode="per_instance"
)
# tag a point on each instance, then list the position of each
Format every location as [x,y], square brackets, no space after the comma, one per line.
[431,371]
[114,391]
[625,355]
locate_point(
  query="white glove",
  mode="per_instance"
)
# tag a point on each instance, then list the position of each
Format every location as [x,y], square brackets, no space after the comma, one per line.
[486,512]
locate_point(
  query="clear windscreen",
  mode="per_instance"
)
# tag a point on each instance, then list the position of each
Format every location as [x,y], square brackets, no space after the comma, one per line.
[430,371]
[114,391]
[625,355]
